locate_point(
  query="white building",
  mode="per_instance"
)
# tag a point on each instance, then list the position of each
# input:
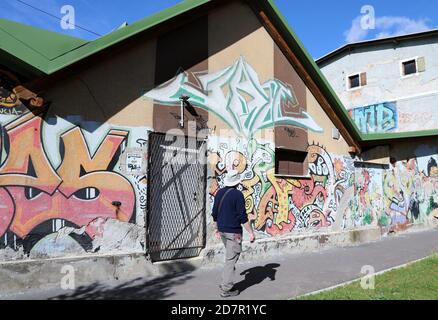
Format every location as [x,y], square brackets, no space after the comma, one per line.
[388,85]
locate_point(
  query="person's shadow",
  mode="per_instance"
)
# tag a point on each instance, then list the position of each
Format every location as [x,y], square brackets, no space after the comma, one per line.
[256,275]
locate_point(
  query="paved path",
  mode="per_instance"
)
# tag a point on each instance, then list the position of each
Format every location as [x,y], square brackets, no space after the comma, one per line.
[294,274]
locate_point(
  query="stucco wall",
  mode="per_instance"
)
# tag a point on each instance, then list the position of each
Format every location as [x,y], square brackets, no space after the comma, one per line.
[61,172]
[389,102]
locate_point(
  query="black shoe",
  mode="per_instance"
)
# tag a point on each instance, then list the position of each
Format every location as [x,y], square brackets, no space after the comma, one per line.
[231,293]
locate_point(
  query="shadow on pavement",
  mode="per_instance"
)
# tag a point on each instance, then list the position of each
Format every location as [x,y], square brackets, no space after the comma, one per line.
[137,289]
[256,275]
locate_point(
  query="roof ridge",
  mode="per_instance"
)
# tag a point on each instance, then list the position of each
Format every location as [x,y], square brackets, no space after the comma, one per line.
[375,41]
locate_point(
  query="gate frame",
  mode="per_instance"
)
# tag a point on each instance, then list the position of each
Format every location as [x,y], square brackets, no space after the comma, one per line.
[148,195]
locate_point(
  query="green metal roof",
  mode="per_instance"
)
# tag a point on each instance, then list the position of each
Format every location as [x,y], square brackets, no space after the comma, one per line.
[49,52]
[34,46]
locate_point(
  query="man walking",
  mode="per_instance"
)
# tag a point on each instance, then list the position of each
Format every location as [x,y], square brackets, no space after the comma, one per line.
[229,214]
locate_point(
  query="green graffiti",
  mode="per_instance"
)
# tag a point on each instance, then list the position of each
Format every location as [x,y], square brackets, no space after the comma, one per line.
[236,96]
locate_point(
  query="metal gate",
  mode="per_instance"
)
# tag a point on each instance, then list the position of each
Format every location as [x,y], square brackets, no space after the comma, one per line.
[176,221]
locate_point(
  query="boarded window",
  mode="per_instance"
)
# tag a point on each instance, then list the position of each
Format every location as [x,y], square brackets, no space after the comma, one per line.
[363,79]
[421,64]
[290,162]
[409,67]
[291,151]
[357,80]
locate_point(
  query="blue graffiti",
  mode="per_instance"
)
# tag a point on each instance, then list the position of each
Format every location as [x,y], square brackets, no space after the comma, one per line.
[377,118]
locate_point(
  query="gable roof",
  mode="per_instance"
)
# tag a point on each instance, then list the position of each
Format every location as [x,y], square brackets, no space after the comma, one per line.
[56,52]
[369,44]
[35,46]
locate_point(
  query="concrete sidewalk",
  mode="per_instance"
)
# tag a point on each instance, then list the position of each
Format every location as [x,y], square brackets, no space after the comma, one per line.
[279,277]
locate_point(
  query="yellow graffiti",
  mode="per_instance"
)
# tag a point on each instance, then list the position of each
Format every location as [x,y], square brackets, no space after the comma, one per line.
[283,188]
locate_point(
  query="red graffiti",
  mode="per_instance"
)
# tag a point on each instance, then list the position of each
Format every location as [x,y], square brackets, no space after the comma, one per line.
[307,193]
[80,190]
[283,227]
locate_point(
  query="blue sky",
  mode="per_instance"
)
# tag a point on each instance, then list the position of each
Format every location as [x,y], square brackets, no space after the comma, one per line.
[322,25]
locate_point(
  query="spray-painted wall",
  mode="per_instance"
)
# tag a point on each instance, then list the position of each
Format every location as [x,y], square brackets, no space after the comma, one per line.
[61,171]
[385,103]
[64,165]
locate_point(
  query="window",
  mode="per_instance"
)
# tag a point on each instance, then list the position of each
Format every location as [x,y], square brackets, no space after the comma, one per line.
[290,162]
[357,80]
[354,81]
[291,151]
[409,67]
[413,66]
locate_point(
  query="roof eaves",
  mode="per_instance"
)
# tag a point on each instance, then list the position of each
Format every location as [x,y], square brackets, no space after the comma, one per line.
[371,137]
[22,52]
[317,75]
[349,46]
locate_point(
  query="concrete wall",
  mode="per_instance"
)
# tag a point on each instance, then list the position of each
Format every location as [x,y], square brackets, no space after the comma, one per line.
[61,172]
[389,102]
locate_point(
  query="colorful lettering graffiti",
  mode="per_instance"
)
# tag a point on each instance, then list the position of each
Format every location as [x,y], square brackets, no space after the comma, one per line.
[81,189]
[236,95]
[376,118]
[277,206]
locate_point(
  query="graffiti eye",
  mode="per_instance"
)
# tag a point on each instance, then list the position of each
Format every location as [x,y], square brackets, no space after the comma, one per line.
[31,193]
[315,223]
[87,193]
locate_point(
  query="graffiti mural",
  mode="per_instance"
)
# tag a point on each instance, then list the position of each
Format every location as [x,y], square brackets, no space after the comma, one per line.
[368,194]
[236,96]
[14,98]
[376,118]
[410,194]
[278,206]
[38,198]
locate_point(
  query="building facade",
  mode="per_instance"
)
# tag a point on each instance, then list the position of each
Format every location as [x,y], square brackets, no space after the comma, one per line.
[394,87]
[118,146]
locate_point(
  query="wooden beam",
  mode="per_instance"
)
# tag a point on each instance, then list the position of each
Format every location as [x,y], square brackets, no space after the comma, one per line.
[307,79]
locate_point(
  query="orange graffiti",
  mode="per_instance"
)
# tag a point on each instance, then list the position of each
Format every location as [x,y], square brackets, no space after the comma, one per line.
[80,190]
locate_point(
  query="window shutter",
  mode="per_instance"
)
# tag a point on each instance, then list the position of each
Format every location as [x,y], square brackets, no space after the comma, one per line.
[421,64]
[363,79]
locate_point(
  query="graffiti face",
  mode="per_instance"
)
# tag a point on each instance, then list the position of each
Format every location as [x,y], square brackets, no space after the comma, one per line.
[236,95]
[79,191]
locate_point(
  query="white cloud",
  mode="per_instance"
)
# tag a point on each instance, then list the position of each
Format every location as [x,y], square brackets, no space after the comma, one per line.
[356,32]
[386,26]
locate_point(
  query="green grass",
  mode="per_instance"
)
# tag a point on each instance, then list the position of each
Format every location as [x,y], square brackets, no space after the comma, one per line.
[417,281]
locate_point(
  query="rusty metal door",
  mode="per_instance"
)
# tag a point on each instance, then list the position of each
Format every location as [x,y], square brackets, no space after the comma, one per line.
[176,221]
